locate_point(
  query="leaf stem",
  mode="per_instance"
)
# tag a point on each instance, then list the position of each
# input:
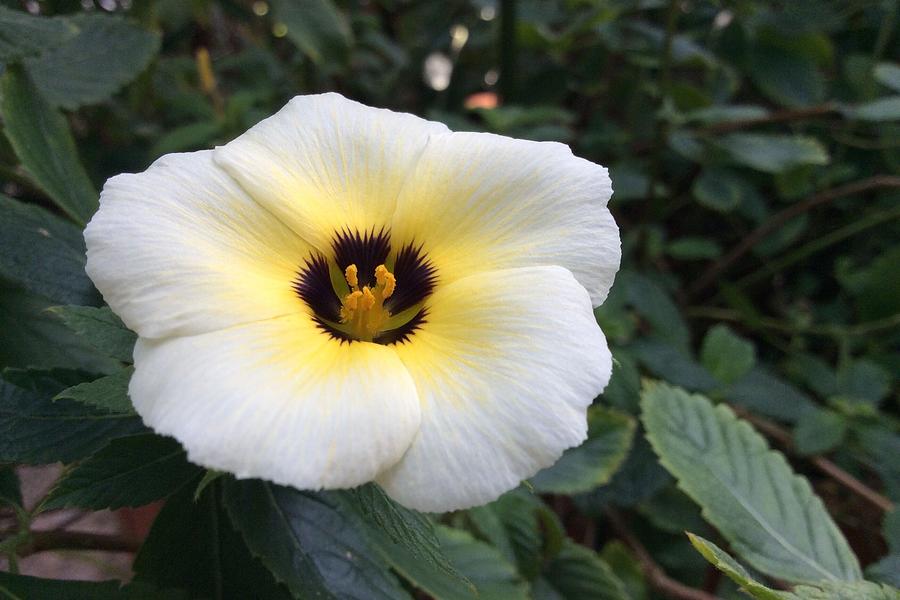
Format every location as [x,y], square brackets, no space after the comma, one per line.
[43,541]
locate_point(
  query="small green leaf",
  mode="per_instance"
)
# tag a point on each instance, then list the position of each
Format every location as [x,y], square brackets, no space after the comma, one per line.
[36,430]
[655,304]
[733,112]
[578,573]
[785,75]
[693,248]
[107,53]
[726,355]
[595,461]
[737,573]
[40,136]
[883,109]
[100,327]
[719,189]
[819,431]
[769,515]
[668,362]
[21,587]
[298,535]
[22,34]
[130,471]
[888,74]
[43,253]
[316,27]
[108,393]
[773,153]
[492,575]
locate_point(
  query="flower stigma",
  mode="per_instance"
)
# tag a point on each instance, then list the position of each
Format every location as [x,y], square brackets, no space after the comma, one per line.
[362,310]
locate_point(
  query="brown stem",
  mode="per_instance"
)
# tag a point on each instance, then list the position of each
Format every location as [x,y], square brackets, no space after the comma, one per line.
[783,437]
[775,117]
[42,541]
[655,574]
[780,218]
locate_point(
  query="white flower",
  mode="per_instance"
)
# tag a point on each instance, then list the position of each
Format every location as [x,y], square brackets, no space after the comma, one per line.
[346,294]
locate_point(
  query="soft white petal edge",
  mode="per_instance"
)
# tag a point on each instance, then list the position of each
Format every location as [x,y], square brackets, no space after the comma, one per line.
[324,163]
[505,366]
[492,202]
[181,249]
[279,400]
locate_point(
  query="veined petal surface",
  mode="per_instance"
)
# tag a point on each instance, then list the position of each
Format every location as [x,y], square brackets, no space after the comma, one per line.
[324,163]
[181,249]
[505,367]
[478,201]
[279,399]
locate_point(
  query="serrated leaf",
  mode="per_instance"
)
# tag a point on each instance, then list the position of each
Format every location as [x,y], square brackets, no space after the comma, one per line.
[765,393]
[130,471]
[842,590]
[404,537]
[737,573]
[307,544]
[668,362]
[108,393]
[492,576]
[22,34]
[886,570]
[819,431]
[107,53]
[769,515]
[192,546]
[638,479]
[40,136]
[594,462]
[726,355]
[578,573]
[34,429]
[773,153]
[656,306]
[316,27]
[100,327]
[43,254]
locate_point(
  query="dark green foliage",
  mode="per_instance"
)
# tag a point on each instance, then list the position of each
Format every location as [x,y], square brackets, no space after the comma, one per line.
[753,149]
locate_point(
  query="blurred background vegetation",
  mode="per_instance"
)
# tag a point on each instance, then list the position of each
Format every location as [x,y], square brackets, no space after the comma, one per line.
[754,148]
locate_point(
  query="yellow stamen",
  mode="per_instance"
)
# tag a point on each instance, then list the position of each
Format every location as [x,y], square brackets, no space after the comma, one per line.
[363,309]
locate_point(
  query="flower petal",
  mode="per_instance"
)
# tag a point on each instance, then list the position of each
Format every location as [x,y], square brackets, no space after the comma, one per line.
[280,400]
[505,366]
[324,163]
[180,249]
[478,202]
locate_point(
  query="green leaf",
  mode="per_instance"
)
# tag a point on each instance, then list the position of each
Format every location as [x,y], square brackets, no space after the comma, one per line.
[721,114]
[36,430]
[31,337]
[886,570]
[211,557]
[656,306]
[761,391]
[108,393]
[43,254]
[22,34]
[863,381]
[888,74]
[819,431]
[316,27]
[130,471]
[578,573]
[298,535]
[737,573]
[594,462]
[773,153]
[855,590]
[40,136]
[638,479]
[493,576]
[518,512]
[769,515]
[787,77]
[24,587]
[403,536]
[100,327]
[10,491]
[693,248]
[719,189]
[107,53]
[726,355]
[668,362]
[883,109]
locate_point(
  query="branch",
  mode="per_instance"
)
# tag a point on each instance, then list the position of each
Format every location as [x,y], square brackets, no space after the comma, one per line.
[780,218]
[43,541]
[654,573]
[783,437]
[775,117]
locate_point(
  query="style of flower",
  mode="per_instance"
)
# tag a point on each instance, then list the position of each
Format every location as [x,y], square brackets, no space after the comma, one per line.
[346,294]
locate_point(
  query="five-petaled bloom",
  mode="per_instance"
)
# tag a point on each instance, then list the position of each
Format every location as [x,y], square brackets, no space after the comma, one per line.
[346,294]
